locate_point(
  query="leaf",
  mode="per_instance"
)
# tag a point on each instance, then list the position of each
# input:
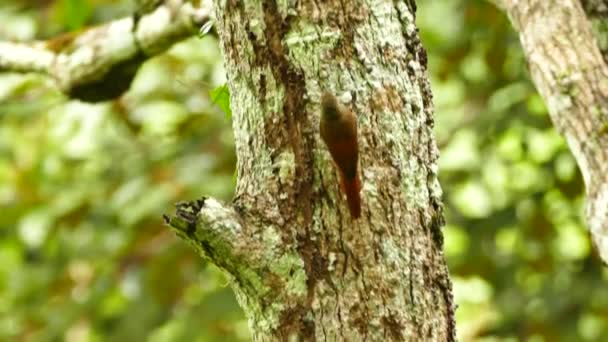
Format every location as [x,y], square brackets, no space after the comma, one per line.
[205,28]
[75,13]
[221,97]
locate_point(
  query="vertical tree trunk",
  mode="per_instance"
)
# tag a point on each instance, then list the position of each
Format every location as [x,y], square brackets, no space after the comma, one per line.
[570,73]
[300,265]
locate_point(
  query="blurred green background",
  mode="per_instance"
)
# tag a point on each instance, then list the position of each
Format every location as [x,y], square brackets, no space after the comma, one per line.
[84,255]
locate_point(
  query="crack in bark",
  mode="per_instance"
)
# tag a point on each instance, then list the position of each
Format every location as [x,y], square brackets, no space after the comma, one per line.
[352,268]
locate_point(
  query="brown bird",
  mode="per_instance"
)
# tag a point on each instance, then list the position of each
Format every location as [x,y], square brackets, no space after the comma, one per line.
[338,128]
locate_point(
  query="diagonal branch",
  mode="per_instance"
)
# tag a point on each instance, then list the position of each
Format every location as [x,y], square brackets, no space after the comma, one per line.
[570,73]
[217,232]
[261,267]
[99,64]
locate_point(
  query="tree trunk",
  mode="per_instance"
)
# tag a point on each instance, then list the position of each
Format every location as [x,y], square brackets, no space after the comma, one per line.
[570,73]
[301,267]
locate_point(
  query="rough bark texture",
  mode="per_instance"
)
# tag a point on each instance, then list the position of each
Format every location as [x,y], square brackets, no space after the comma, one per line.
[300,266]
[572,76]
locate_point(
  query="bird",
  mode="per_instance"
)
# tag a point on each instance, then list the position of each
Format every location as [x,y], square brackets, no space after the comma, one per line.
[338,129]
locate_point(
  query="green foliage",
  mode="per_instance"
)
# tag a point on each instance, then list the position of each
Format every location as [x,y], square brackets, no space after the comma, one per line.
[75,13]
[522,264]
[84,254]
[221,97]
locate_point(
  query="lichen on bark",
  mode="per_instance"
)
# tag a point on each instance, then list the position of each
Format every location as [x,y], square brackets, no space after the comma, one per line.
[319,274]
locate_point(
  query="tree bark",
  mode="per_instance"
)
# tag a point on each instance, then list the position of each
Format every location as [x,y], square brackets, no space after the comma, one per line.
[571,75]
[301,267]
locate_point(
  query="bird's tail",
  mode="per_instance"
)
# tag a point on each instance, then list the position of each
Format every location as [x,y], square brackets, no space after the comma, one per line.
[351,188]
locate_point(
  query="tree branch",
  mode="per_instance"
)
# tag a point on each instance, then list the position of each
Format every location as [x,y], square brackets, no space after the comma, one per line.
[570,73]
[99,64]
[262,268]
[218,233]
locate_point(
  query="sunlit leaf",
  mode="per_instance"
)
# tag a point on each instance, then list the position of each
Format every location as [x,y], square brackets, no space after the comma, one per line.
[221,97]
[206,28]
[75,13]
